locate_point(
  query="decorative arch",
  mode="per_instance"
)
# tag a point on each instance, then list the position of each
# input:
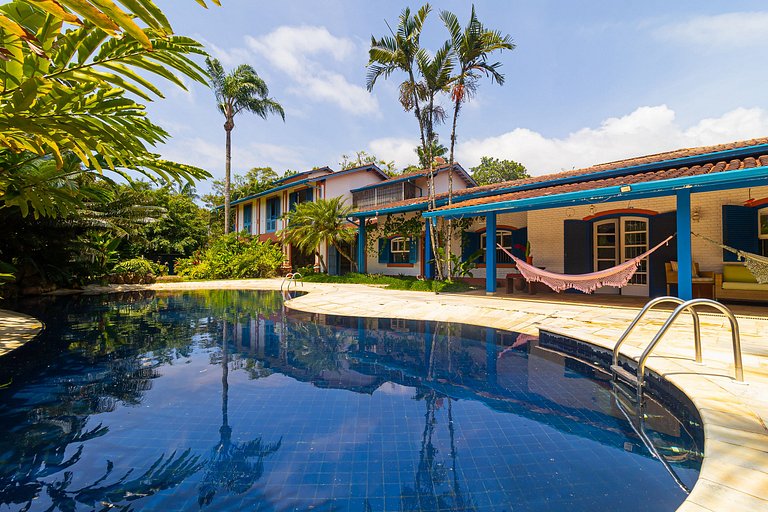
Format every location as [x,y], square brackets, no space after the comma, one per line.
[621,211]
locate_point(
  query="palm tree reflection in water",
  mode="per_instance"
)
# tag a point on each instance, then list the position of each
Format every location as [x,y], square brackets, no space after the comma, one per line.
[233,467]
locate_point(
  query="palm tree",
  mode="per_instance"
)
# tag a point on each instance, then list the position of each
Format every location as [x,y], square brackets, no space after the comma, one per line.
[398,53]
[240,90]
[437,150]
[324,220]
[471,48]
[435,79]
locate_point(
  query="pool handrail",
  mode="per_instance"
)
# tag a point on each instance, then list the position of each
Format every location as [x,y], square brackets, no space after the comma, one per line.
[690,305]
[650,305]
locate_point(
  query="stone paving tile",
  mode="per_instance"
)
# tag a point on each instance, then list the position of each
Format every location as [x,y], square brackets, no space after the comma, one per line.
[16,329]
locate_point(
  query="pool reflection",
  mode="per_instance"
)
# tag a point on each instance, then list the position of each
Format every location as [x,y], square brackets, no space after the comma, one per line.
[467,395]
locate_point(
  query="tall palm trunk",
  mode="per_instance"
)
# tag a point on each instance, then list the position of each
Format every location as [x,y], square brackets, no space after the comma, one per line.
[228,126]
[448,246]
[434,238]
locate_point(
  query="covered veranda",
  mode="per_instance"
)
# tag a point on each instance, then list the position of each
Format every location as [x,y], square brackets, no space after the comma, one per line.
[680,188]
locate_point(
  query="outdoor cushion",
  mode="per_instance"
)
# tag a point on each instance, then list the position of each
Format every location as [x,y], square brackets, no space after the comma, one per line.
[694,268]
[737,274]
[755,287]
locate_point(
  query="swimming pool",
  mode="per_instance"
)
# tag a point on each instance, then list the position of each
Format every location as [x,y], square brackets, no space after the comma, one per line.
[134,403]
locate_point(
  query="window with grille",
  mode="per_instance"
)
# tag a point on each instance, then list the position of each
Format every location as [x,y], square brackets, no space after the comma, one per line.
[504,239]
[400,249]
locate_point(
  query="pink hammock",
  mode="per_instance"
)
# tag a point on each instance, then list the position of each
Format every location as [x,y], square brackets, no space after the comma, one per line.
[617,276]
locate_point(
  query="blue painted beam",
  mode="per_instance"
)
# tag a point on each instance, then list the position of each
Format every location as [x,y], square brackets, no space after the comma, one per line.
[684,258]
[490,253]
[427,250]
[361,253]
[701,183]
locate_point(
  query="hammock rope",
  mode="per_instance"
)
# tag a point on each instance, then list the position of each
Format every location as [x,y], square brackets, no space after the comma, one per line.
[617,276]
[755,263]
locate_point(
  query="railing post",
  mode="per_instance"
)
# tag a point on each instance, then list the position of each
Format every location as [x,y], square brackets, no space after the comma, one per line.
[490,253]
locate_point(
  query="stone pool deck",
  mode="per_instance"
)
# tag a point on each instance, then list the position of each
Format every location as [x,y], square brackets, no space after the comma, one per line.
[734,475]
[16,329]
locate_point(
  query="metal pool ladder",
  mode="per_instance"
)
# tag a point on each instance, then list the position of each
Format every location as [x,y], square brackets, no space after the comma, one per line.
[291,277]
[638,379]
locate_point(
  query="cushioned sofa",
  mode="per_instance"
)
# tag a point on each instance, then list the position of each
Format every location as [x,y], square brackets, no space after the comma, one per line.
[737,283]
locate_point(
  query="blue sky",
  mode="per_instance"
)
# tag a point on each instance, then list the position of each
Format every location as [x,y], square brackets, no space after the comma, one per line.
[589,82]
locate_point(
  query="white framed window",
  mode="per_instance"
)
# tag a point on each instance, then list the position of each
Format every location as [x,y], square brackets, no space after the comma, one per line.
[762,223]
[400,249]
[504,239]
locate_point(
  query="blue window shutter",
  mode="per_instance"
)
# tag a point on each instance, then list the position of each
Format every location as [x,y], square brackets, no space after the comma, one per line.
[739,230]
[309,194]
[519,237]
[577,247]
[414,247]
[293,198]
[247,218]
[660,227]
[384,250]
[471,246]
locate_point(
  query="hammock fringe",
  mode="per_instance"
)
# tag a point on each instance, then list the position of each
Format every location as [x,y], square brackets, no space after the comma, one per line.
[755,263]
[617,276]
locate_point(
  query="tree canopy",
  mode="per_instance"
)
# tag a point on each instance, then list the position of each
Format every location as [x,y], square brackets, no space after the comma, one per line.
[492,170]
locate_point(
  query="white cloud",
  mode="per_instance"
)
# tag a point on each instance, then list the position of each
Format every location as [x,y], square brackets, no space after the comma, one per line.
[647,130]
[401,150]
[302,53]
[720,31]
[228,57]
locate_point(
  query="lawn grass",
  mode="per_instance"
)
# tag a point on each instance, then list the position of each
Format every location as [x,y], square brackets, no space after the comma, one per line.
[391,282]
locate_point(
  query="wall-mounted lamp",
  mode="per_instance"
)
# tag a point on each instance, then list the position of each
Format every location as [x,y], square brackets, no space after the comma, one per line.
[591,209]
[696,214]
[625,188]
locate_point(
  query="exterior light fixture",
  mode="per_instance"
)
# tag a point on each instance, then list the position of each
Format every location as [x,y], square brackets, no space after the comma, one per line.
[625,188]
[696,214]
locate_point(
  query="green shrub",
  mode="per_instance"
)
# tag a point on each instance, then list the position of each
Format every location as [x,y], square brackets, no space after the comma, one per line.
[140,266]
[391,282]
[233,256]
[136,271]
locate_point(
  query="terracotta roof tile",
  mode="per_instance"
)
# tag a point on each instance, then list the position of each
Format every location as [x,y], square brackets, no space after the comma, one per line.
[664,174]
[709,167]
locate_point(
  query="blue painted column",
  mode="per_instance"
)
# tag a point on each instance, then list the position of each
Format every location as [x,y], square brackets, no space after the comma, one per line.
[684,259]
[490,253]
[428,250]
[361,253]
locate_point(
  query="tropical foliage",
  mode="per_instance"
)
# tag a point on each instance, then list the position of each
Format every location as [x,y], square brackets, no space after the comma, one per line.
[362,157]
[323,221]
[241,90]
[233,256]
[71,97]
[492,170]
[455,68]
[73,74]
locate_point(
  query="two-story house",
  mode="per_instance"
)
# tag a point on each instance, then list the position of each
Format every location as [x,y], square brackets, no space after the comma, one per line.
[262,214]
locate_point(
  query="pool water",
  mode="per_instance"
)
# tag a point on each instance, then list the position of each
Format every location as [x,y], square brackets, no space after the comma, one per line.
[134,402]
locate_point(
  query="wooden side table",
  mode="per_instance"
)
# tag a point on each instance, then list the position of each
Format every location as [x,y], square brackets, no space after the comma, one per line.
[513,278]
